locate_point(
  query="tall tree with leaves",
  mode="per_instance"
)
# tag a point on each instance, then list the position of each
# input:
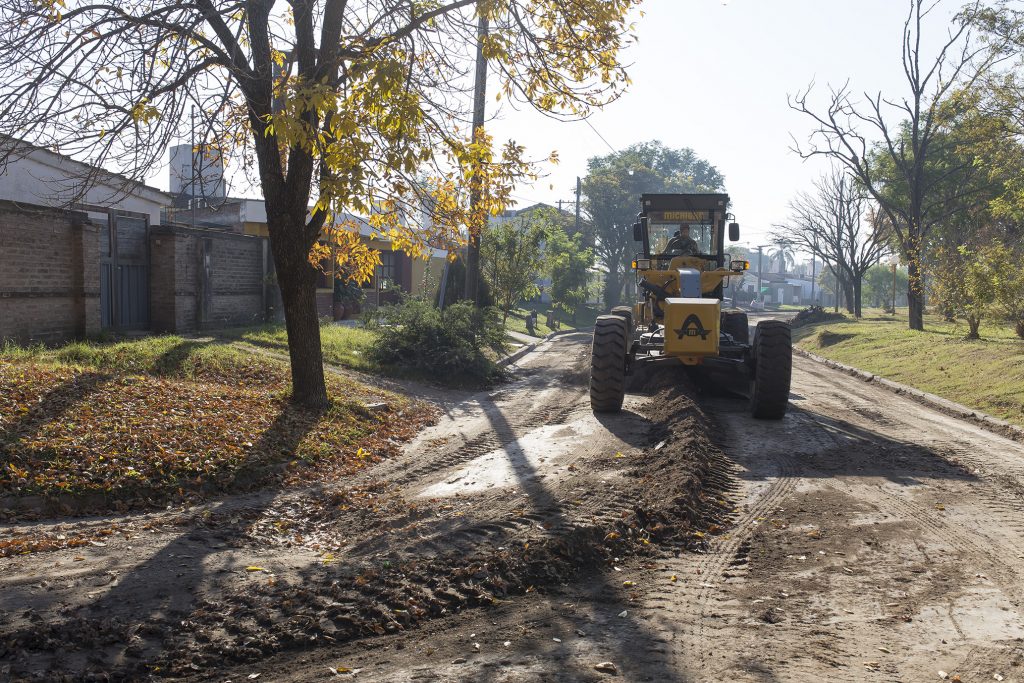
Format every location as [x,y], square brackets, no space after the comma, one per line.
[612,192]
[569,263]
[512,258]
[968,281]
[783,254]
[878,284]
[345,105]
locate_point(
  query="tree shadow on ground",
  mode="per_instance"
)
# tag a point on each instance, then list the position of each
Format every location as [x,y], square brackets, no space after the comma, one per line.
[629,653]
[825,446]
[53,406]
[129,623]
[56,403]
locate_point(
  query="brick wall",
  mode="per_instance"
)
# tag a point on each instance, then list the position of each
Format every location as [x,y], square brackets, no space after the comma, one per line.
[49,274]
[204,279]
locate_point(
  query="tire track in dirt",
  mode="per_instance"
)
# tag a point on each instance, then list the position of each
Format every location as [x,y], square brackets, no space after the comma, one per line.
[841,441]
[985,543]
[689,612]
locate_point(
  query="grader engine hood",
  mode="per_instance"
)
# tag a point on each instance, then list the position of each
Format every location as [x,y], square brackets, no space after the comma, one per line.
[689,283]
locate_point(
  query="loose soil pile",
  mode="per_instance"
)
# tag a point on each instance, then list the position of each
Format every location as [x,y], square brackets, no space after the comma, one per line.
[813,315]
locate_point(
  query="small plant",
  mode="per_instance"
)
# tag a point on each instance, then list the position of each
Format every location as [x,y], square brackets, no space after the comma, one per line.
[448,346]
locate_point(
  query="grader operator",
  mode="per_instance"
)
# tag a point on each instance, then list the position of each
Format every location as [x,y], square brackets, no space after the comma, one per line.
[681,271]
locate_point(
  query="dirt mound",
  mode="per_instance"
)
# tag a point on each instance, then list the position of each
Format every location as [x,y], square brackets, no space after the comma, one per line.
[829,338]
[813,315]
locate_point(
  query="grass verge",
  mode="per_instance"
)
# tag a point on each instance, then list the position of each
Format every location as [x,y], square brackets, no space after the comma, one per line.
[516,321]
[143,423]
[346,347]
[985,374]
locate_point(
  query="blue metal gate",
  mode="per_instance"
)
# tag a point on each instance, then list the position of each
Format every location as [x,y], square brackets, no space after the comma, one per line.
[124,272]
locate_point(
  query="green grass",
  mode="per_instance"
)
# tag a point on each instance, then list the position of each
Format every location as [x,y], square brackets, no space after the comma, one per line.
[985,374]
[343,346]
[516,322]
[165,355]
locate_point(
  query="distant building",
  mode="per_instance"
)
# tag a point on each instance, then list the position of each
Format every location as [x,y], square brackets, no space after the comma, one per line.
[196,172]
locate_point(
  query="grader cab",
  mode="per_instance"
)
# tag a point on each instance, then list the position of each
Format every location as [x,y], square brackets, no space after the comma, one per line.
[681,271]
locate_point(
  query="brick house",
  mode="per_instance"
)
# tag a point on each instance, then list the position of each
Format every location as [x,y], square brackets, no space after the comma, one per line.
[83,251]
[397,272]
[74,251]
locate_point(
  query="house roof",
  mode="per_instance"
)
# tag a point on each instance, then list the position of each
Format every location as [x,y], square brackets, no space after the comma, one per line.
[13,148]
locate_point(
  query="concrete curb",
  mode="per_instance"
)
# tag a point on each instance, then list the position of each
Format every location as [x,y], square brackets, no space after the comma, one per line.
[527,348]
[522,351]
[943,405]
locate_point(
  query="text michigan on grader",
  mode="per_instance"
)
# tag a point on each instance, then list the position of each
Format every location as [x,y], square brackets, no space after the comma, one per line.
[681,272]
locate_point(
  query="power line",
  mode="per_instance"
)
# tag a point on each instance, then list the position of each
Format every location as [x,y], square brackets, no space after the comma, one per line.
[587,121]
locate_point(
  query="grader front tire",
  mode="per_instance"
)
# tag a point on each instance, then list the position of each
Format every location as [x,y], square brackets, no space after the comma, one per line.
[772,357]
[626,313]
[608,364]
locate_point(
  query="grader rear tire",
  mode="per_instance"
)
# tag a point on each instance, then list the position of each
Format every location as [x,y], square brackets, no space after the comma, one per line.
[735,323]
[608,364]
[772,357]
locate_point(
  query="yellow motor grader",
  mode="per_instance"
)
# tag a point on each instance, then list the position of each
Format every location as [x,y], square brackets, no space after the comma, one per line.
[681,271]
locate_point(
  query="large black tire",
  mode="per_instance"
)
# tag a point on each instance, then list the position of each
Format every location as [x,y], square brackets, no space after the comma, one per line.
[625,312]
[772,357]
[735,323]
[608,364]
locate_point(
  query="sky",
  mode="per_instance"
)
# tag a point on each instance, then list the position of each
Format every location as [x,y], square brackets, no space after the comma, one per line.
[714,75]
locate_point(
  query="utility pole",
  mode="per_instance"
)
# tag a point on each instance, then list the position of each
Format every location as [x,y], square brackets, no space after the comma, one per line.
[760,252]
[192,152]
[579,190]
[813,264]
[479,101]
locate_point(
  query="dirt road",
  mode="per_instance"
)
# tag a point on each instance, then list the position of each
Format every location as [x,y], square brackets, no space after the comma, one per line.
[864,537]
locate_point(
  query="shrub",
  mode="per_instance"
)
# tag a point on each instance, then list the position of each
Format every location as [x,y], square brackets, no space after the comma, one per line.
[448,346]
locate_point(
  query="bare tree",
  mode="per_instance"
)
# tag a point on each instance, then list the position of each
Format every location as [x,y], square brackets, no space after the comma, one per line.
[895,171]
[349,105]
[839,224]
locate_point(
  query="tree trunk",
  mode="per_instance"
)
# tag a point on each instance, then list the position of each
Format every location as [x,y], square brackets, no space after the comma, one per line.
[473,270]
[915,292]
[849,295]
[1019,327]
[613,289]
[297,280]
[973,323]
[858,291]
